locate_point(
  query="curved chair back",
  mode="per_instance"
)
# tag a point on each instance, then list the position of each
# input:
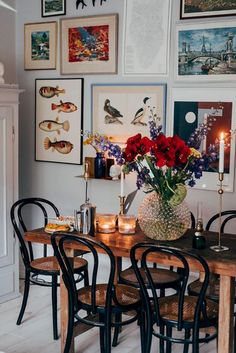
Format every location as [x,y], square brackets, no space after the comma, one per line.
[180,259]
[60,243]
[18,219]
[226,217]
[193,221]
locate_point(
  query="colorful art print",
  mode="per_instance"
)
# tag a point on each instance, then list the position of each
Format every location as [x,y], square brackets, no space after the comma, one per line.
[122,110]
[40,45]
[59,120]
[206,51]
[53,7]
[192,107]
[207,8]
[89,45]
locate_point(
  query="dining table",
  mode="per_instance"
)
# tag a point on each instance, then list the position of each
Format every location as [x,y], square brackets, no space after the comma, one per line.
[220,263]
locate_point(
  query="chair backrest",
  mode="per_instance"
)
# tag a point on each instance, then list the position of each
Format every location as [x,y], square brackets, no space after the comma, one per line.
[180,258]
[193,221]
[60,243]
[226,217]
[19,219]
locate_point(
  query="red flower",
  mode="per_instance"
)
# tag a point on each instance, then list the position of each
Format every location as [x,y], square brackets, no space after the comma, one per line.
[136,145]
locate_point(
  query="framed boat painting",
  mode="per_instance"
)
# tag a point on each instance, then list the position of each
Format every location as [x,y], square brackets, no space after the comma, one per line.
[122,110]
[89,45]
[53,7]
[40,46]
[213,109]
[59,120]
[206,52]
[207,8]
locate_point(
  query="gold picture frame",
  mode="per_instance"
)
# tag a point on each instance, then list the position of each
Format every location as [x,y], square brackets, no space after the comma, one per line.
[89,45]
[40,46]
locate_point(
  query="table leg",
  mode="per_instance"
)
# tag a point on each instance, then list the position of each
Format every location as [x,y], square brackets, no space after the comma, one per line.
[226,309]
[64,309]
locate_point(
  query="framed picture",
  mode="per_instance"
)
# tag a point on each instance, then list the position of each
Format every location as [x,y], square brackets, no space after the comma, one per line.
[146,45]
[206,51]
[59,120]
[194,106]
[123,110]
[40,46]
[53,7]
[89,45]
[197,9]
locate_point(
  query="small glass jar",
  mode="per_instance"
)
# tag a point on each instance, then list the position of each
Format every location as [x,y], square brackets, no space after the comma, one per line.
[127,224]
[106,223]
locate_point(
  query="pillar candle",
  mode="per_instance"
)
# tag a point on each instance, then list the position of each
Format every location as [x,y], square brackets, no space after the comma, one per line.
[122,184]
[221,153]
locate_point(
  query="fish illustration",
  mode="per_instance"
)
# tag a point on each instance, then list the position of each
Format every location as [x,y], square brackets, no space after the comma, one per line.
[63,147]
[49,91]
[66,107]
[54,125]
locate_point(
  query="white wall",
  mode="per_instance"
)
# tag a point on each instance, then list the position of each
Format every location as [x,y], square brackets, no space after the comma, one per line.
[57,182]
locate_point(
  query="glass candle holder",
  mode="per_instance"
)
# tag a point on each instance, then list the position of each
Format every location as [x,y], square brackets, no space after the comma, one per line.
[106,223]
[127,224]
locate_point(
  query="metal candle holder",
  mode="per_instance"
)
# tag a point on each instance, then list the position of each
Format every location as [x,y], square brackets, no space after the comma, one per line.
[122,204]
[219,247]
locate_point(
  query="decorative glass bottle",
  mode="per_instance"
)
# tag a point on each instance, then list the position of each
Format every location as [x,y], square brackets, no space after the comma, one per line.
[100,166]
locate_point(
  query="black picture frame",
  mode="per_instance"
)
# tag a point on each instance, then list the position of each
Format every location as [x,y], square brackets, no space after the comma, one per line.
[205,13]
[49,8]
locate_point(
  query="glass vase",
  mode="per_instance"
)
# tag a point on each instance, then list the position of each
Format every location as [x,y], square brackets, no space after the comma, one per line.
[160,220]
[100,166]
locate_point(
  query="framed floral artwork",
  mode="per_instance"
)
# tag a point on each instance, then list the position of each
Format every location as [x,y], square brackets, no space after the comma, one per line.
[59,120]
[215,107]
[40,46]
[89,45]
[122,110]
[53,7]
[208,8]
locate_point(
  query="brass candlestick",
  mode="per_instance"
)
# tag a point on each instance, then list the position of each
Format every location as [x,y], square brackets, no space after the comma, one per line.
[122,204]
[219,247]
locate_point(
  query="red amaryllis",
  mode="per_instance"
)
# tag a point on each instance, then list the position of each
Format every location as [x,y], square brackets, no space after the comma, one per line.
[137,145]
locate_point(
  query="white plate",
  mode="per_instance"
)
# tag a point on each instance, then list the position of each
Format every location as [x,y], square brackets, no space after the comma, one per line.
[50,231]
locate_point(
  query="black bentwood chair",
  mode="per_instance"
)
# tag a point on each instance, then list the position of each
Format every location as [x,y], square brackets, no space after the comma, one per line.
[181,312]
[106,300]
[47,265]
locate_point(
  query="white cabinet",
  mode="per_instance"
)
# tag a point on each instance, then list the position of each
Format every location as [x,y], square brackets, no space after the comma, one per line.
[9,259]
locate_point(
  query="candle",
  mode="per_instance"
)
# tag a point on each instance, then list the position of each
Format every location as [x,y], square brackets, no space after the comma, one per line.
[221,153]
[199,210]
[127,224]
[106,223]
[122,184]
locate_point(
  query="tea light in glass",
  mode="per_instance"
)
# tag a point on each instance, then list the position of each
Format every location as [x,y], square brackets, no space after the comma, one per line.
[127,224]
[106,223]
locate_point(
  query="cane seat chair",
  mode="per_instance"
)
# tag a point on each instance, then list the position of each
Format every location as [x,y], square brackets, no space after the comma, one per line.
[46,265]
[104,300]
[167,316]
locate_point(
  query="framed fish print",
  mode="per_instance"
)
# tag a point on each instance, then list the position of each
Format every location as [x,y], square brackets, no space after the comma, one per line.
[40,46]
[215,107]
[207,8]
[53,7]
[122,110]
[59,120]
[89,45]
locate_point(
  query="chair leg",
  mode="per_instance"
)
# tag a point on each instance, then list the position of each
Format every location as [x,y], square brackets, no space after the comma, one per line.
[86,278]
[168,343]
[186,337]
[102,333]
[162,332]
[118,317]
[142,332]
[54,307]
[107,333]
[25,297]
[70,326]
[235,335]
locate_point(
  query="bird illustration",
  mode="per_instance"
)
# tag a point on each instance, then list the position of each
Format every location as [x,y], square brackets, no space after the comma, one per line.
[113,114]
[140,114]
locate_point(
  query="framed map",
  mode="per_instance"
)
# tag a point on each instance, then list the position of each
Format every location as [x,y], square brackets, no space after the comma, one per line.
[207,8]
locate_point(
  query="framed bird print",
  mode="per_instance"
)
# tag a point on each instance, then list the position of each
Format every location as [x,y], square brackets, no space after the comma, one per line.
[122,110]
[59,120]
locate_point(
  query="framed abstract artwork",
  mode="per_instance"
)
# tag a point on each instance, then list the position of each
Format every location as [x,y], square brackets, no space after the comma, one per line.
[192,107]
[89,45]
[208,8]
[206,51]
[122,110]
[40,46]
[59,120]
[53,7]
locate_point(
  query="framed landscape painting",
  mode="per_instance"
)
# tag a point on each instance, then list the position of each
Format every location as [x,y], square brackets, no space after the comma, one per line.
[53,7]
[89,45]
[217,108]
[123,110]
[206,51]
[207,8]
[59,120]
[40,46]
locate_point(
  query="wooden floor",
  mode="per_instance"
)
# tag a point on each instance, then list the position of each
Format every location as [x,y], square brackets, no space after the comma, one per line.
[34,335]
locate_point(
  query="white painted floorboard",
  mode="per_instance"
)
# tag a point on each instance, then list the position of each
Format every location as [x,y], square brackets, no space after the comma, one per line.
[34,335]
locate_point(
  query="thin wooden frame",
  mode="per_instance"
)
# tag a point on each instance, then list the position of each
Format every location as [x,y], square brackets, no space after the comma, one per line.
[189,9]
[40,46]
[89,45]
[59,120]
[53,8]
